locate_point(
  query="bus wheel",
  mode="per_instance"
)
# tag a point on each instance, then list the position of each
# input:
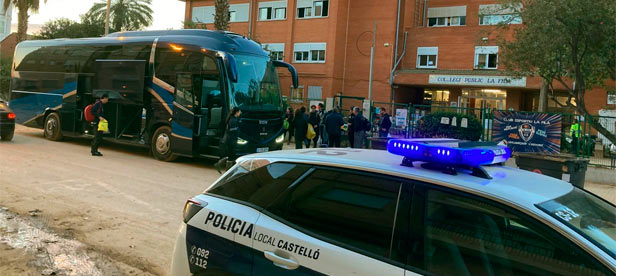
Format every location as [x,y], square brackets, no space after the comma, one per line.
[161,144]
[52,130]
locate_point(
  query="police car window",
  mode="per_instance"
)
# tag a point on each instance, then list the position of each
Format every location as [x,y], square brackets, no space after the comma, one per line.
[463,236]
[349,208]
[261,186]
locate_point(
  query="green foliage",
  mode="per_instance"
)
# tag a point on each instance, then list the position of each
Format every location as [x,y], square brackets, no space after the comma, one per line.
[23,8]
[193,25]
[564,41]
[66,28]
[5,77]
[430,126]
[124,15]
[221,16]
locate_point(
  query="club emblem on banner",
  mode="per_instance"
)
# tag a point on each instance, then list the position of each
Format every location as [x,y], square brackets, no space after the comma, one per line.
[526,131]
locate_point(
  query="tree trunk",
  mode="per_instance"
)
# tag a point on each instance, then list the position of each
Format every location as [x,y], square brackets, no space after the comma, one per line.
[22,20]
[542,103]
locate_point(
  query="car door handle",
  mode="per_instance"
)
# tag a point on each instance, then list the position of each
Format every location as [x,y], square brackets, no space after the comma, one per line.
[281,262]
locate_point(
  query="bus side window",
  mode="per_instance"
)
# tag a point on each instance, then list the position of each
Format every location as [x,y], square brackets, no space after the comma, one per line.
[211,84]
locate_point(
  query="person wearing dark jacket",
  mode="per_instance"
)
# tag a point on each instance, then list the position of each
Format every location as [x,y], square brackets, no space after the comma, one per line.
[97,113]
[314,121]
[385,124]
[350,128]
[324,133]
[359,128]
[333,124]
[230,140]
[300,127]
[289,117]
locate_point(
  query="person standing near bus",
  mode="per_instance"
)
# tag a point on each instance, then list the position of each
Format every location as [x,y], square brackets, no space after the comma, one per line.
[97,114]
[575,130]
[289,118]
[300,125]
[350,128]
[229,140]
[315,122]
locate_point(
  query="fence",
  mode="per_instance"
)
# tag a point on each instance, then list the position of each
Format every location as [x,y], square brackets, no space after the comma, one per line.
[405,117]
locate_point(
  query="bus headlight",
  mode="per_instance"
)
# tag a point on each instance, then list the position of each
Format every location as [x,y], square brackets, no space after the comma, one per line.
[280,139]
[242,141]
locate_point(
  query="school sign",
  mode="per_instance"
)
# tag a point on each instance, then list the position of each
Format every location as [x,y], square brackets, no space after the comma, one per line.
[503,81]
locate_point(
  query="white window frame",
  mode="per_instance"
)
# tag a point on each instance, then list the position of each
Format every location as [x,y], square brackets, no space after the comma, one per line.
[311,5]
[486,51]
[427,51]
[203,14]
[447,15]
[311,49]
[277,50]
[240,13]
[494,14]
[273,7]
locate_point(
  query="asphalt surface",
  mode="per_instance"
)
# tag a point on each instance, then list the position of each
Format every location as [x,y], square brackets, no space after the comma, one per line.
[124,208]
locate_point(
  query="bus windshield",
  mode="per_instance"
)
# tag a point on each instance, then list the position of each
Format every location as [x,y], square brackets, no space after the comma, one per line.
[258,87]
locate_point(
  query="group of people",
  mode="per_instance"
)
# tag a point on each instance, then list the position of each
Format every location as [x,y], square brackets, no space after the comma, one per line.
[329,126]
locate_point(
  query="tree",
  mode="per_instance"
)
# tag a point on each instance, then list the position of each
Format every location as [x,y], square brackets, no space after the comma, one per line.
[23,6]
[569,42]
[5,77]
[124,15]
[66,28]
[194,25]
[221,16]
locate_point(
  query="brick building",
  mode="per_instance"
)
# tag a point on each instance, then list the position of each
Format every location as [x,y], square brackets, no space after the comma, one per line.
[450,57]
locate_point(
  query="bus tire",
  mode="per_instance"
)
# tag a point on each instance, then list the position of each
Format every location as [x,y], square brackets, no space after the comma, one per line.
[52,129]
[161,144]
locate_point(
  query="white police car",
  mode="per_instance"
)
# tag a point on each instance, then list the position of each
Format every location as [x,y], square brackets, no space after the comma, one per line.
[364,212]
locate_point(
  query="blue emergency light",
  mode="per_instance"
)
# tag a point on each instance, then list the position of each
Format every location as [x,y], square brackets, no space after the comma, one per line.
[449,152]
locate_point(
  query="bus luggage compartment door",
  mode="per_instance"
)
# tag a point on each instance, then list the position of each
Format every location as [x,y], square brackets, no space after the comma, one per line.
[184,140]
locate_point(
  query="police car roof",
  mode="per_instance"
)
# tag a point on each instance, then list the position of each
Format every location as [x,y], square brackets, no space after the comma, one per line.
[509,184]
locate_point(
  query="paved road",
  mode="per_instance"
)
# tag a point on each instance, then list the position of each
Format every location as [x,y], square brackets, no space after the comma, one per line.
[125,204]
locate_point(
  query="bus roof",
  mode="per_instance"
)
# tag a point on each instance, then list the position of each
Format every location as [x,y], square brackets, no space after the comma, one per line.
[212,40]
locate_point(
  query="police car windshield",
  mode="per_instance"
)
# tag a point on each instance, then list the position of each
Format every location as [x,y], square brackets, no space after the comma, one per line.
[587,214]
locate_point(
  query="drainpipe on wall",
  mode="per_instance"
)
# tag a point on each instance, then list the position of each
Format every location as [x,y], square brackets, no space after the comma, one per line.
[395,66]
[250,19]
[398,22]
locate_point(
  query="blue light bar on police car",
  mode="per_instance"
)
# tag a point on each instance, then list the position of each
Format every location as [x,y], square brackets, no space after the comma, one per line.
[452,156]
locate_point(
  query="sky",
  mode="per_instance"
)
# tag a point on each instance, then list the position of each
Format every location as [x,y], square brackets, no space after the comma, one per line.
[167,13]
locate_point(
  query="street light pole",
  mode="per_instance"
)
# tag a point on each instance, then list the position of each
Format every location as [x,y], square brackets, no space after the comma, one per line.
[107,17]
[370,77]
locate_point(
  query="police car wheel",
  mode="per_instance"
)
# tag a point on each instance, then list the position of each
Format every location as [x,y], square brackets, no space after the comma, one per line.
[161,144]
[51,128]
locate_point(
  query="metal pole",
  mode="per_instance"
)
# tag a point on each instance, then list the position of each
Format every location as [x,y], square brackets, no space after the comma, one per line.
[370,77]
[107,17]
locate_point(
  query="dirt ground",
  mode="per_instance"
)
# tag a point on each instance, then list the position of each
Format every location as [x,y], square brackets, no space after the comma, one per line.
[125,205]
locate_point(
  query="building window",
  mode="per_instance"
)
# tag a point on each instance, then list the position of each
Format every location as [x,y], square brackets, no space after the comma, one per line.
[427,57]
[495,19]
[312,8]
[203,14]
[495,14]
[486,57]
[276,50]
[297,94]
[314,93]
[447,16]
[232,16]
[275,10]
[310,52]
[239,13]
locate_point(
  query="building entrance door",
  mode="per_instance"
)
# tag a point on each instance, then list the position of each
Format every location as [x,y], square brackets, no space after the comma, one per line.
[483,98]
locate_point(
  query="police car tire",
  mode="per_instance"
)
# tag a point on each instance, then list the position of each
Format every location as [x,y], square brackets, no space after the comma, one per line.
[55,131]
[168,156]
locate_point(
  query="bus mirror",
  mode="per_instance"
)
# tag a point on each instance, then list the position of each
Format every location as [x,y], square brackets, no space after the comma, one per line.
[292,70]
[230,64]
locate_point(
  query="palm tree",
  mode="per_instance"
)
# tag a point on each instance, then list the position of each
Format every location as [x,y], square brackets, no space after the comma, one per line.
[124,15]
[23,6]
